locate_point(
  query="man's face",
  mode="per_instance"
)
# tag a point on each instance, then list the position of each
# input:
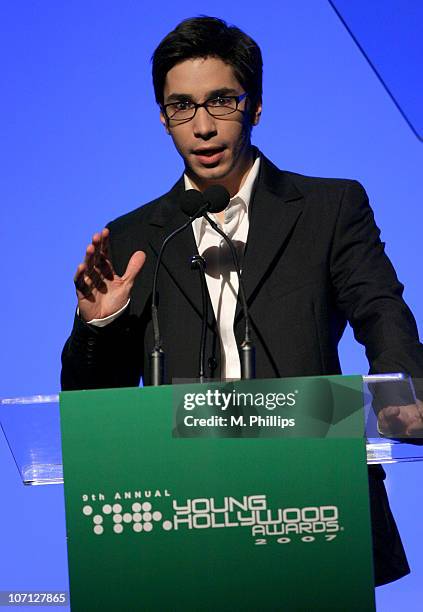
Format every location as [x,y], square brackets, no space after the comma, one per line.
[215,150]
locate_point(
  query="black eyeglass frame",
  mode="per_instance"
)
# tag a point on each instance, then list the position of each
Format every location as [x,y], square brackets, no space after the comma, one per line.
[196,106]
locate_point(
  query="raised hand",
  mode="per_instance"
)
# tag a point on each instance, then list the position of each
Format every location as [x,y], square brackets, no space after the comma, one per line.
[100,291]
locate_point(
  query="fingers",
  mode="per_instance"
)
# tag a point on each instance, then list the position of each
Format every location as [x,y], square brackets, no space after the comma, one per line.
[86,282]
[99,246]
[96,266]
[101,254]
[104,239]
[104,263]
[78,279]
[103,266]
[96,269]
[134,266]
[390,420]
[400,421]
[83,285]
[391,413]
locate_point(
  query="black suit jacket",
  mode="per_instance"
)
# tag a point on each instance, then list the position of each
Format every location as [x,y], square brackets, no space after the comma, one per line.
[313,261]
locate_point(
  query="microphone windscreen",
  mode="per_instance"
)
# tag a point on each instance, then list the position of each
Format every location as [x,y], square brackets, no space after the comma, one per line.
[217,197]
[191,202]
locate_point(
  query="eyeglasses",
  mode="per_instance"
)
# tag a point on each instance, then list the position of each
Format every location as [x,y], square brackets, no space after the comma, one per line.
[185,110]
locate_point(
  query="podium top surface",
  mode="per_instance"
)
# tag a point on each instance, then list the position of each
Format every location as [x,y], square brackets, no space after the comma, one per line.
[31,426]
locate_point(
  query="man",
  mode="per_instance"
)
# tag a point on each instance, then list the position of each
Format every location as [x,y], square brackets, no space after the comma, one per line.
[312,258]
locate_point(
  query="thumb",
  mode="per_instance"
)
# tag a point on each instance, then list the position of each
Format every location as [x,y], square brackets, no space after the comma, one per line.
[134,266]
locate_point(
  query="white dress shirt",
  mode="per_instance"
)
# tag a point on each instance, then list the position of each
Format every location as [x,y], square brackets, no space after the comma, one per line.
[222,279]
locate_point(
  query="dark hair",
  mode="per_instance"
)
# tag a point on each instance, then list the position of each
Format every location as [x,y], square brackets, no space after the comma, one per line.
[210,37]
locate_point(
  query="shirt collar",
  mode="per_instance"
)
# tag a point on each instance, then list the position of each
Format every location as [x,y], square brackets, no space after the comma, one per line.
[243,197]
[244,194]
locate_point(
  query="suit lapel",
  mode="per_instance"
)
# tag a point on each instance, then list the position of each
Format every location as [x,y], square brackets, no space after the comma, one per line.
[275,208]
[167,217]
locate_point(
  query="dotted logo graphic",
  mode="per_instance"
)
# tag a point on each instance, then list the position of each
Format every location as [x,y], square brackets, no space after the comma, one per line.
[142,518]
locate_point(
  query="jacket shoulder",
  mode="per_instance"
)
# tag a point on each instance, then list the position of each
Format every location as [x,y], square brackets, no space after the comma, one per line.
[291,185]
[332,188]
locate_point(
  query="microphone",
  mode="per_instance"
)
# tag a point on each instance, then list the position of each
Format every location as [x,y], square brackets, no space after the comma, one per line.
[218,198]
[194,205]
[194,202]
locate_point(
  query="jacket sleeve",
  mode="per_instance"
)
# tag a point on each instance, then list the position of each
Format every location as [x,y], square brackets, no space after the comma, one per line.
[368,291]
[101,357]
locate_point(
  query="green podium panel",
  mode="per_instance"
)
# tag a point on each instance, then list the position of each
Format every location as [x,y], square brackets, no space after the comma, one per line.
[235,518]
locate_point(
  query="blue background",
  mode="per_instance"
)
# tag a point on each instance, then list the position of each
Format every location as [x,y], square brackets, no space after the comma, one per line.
[82,144]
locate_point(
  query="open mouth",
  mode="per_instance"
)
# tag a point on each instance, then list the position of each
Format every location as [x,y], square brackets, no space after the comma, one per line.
[209,156]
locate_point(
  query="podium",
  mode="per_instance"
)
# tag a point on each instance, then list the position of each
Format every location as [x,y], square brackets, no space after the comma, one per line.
[248,515]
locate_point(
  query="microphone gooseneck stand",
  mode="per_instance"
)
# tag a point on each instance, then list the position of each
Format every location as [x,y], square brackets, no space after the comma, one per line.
[198,263]
[197,209]
[247,349]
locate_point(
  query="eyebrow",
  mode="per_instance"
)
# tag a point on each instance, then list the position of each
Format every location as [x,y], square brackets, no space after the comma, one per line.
[222,91]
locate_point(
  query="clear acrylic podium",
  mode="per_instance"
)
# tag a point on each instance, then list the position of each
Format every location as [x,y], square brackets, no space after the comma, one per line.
[31,426]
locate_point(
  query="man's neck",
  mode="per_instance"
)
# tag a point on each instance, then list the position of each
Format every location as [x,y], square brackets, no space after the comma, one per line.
[232,183]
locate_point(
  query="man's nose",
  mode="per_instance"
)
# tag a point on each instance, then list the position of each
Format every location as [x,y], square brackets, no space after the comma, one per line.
[204,125]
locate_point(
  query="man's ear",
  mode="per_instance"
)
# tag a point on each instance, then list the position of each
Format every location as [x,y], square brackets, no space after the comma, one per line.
[255,117]
[164,122]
